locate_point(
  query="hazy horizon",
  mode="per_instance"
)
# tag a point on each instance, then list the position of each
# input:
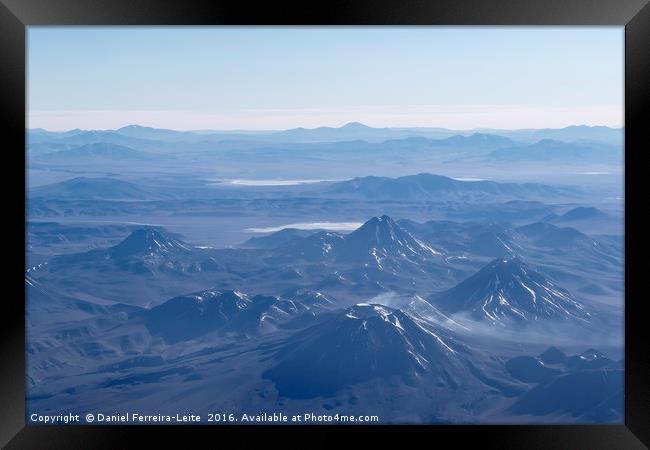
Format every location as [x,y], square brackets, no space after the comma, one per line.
[259,130]
[274,78]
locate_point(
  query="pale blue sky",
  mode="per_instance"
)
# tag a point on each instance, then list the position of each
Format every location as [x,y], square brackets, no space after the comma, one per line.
[278,77]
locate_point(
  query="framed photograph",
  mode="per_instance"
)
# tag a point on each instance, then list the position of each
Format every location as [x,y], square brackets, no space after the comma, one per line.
[352,218]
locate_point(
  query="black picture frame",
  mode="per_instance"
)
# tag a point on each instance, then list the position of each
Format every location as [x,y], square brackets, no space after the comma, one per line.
[16,15]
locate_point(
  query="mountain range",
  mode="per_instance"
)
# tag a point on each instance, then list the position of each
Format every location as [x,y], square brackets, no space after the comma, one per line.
[419,274]
[550,236]
[272,321]
[421,187]
[350,131]
[96,153]
[558,152]
[191,316]
[378,256]
[588,386]
[425,186]
[97,188]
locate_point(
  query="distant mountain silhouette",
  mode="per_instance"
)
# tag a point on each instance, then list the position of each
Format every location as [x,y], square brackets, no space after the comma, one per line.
[436,187]
[100,188]
[582,213]
[353,130]
[589,220]
[100,136]
[548,235]
[593,395]
[140,132]
[349,131]
[587,386]
[476,141]
[548,150]
[96,151]
[553,355]
[572,133]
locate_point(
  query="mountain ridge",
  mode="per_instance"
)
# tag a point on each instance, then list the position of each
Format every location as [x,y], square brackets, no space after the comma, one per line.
[361,343]
[507,290]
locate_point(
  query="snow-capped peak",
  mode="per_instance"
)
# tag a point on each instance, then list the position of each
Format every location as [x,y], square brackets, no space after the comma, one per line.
[507,289]
[380,238]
